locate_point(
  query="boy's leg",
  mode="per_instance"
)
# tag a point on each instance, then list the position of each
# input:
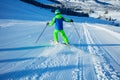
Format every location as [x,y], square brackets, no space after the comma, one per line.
[64,36]
[56,35]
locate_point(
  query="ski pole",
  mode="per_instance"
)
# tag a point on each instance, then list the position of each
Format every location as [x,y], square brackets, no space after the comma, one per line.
[41,34]
[76,30]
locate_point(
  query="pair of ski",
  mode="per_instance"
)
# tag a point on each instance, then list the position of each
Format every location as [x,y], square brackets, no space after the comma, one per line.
[58,43]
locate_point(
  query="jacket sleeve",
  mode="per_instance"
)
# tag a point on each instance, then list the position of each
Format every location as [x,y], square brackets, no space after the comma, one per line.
[52,22]
[66,20]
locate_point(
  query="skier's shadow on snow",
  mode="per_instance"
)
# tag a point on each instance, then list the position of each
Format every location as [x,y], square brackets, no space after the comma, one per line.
[24,48]
[16,60]
[98,45]
[22,59]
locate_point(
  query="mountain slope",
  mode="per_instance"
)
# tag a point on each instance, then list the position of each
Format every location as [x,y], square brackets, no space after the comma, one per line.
[92,55]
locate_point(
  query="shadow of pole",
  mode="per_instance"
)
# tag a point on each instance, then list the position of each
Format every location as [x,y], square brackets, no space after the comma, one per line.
[98,45]
[24,48]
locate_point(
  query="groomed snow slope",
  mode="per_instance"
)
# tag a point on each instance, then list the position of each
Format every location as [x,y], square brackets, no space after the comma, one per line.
[93,56]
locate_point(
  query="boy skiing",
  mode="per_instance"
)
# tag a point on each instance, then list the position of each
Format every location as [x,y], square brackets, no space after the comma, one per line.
[58,19]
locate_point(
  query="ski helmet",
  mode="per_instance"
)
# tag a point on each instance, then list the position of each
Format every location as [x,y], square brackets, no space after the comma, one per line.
[57,11]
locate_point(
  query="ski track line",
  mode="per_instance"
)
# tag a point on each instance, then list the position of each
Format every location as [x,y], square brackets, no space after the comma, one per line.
[110,69]
[97,67]
[104,51]
[115,34]
[82,71]
[80,57]
[77,73]
[102,71]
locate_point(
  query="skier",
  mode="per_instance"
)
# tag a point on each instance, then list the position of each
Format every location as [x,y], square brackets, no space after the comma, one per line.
[58,19]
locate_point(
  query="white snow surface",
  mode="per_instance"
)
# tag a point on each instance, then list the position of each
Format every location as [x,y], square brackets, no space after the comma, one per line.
[93,55]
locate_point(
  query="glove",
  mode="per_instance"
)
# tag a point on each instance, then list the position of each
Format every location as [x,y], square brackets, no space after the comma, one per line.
[71,20]
[47,23]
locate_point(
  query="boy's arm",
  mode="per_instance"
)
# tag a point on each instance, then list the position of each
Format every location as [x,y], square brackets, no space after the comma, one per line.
[67,20]
[51,22]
